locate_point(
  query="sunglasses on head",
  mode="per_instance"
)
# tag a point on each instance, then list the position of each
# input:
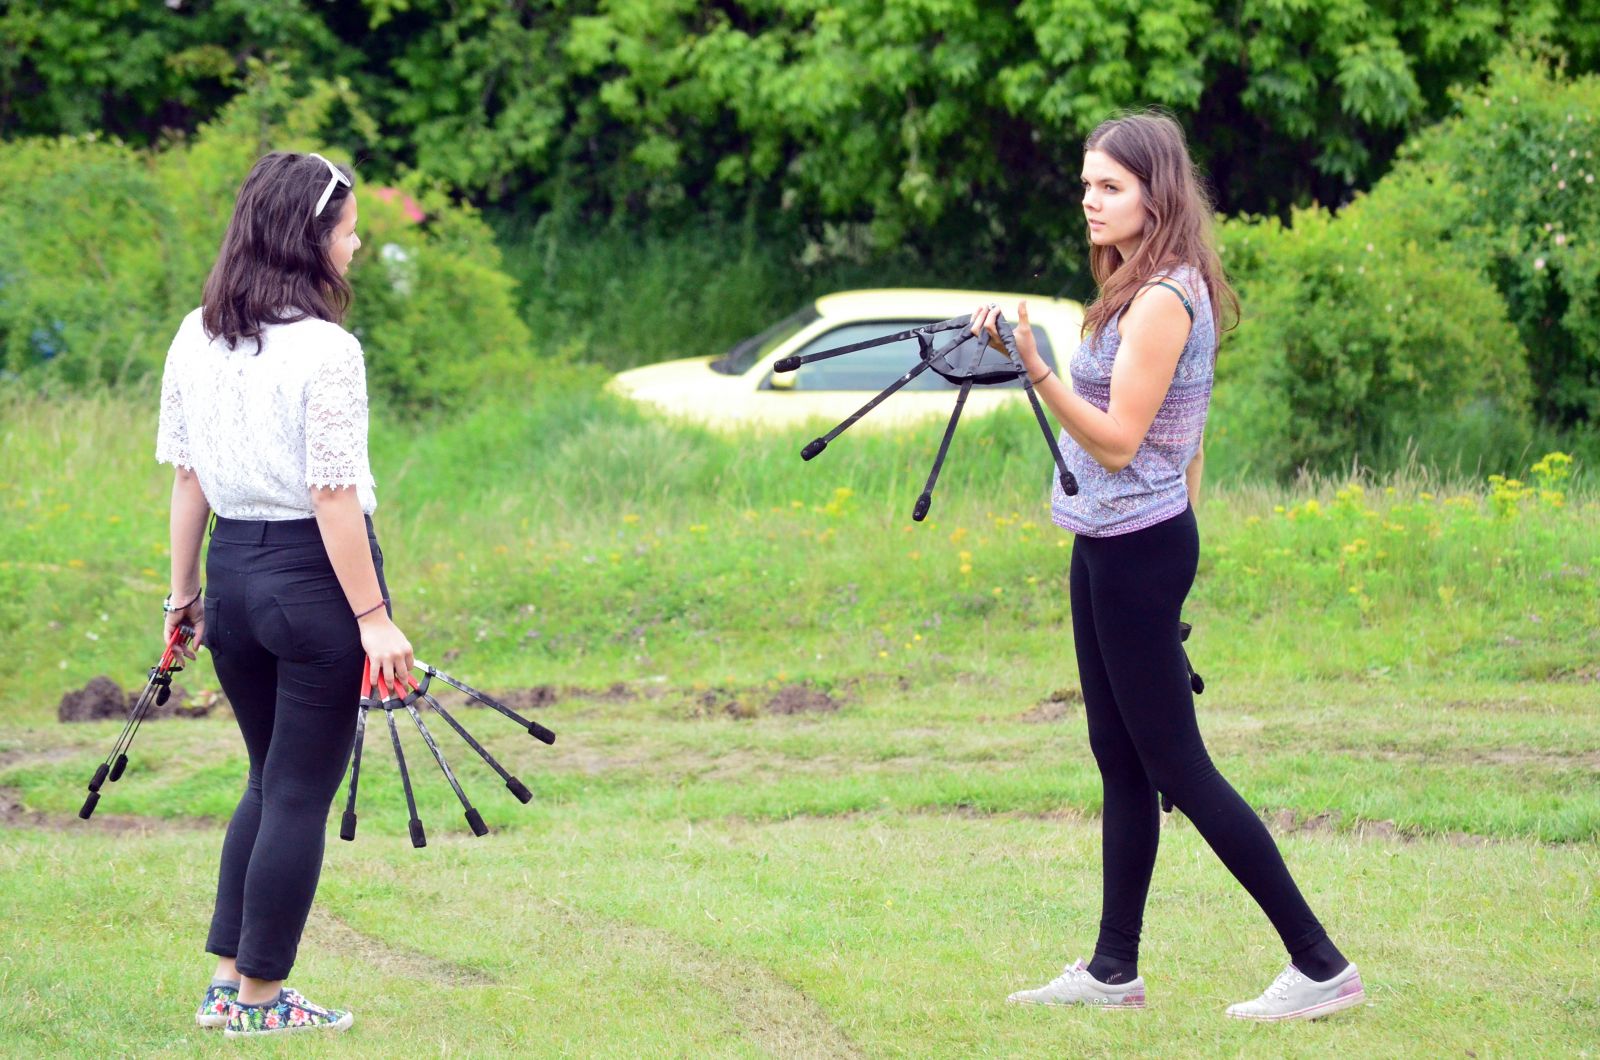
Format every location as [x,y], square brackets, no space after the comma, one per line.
[335,178]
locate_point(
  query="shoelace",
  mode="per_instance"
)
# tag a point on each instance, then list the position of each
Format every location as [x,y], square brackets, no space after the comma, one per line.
[1286,978]
[1070,974]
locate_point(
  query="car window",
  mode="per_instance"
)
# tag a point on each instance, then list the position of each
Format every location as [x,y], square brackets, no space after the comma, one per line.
[744,354]
[875,368]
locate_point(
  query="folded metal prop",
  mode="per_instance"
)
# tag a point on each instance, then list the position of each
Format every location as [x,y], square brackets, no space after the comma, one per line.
[964,359]
[398,698]
[1196,682]
[157,689]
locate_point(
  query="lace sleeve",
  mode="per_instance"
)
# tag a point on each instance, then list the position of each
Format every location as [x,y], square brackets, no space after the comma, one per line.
[336,421]
[172,433]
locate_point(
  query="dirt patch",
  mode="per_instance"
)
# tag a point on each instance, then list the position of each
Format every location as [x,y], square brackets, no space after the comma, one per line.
[744,704]
[801,699]
[102,699]
[1059,705]
[721,703]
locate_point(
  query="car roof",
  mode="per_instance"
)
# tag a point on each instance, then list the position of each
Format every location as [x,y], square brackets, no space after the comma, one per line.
[924,301]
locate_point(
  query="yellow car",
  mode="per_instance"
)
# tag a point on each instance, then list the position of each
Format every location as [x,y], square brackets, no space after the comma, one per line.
[739,389]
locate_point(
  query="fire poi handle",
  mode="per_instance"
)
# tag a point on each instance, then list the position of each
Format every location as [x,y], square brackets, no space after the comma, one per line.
[157,690]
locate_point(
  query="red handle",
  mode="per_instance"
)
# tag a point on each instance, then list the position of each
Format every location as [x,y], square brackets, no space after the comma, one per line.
[169,656]
[366,679]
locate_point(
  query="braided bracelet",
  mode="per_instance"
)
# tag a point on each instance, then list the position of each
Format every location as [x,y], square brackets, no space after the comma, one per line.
[1048,372]
[374,607]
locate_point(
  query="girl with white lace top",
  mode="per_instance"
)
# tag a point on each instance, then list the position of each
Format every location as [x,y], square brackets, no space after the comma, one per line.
[264,417]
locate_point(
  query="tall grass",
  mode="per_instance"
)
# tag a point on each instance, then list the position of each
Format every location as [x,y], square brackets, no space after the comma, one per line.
[564,535]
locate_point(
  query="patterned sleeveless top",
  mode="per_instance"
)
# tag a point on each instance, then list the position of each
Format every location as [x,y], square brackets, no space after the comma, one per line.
[1151,488]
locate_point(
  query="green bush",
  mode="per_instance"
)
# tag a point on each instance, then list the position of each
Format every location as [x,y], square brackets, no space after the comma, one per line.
[1354,339]
[1510,185]
[104,249]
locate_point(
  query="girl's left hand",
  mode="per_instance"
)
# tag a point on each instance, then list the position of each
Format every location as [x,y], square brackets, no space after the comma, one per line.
[193,616]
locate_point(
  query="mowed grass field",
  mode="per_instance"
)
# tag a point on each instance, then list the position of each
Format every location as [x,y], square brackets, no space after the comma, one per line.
[821,786]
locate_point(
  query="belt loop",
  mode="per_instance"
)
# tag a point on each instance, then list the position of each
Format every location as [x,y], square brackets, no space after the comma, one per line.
[261,537]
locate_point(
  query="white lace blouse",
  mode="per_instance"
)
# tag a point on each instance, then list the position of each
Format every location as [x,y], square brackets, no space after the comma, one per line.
[259,429]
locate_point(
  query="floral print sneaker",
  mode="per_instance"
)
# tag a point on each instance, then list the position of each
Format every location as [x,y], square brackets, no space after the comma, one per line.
[213,1011]
[291,1012]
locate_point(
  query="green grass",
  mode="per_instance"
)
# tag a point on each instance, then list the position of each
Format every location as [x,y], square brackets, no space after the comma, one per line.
[700,876]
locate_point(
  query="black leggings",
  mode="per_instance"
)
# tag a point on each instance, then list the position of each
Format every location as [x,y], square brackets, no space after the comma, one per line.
[288,654]
[1127,592]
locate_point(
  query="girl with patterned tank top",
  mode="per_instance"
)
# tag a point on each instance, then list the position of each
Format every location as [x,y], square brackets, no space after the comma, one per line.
[264,417]
[1133,420]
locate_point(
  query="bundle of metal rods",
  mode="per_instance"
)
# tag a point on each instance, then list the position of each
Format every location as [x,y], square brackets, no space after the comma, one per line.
[390,699]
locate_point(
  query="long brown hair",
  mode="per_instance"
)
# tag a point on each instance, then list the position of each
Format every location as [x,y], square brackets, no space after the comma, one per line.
[1178,218]
[273,267]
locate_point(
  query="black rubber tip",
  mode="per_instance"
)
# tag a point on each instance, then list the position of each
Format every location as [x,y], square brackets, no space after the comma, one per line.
[347,826]
[1069,484]
[99,777]
[88,805]
[1197,683]
[813,447]
[786,364]
[475,823]
[540,733]
[519,790]
[920,512]
[418,837]
[118,766]
[163,695]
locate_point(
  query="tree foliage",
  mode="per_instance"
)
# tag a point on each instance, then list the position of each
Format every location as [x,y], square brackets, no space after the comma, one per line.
[901,115]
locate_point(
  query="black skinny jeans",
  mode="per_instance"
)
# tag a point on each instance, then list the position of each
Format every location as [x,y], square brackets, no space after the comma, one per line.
[288,654]
[1127,592]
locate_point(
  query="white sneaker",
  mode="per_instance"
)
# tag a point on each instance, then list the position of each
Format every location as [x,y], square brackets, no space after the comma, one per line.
[1075,986]
[1294,997]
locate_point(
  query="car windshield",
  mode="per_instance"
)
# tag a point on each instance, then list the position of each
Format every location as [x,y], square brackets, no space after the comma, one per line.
[745,353]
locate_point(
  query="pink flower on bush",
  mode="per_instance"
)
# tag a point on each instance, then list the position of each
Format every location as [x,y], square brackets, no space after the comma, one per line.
[1538,263]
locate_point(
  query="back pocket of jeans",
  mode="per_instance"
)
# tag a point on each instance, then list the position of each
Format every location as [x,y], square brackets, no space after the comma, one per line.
[317,625]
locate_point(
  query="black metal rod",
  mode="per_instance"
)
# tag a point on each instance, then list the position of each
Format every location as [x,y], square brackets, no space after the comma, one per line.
[473,819]
[789,364]
[920,512]
[516,786]
[418,837]
[347,826]
[534,728]
[1069,482]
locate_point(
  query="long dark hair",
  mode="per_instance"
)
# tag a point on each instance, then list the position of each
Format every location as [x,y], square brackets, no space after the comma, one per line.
[1177,218]
[273,267]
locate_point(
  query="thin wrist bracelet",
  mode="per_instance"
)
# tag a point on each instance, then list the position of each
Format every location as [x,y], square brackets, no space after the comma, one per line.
[1048,372]
[374,607]
[166,602]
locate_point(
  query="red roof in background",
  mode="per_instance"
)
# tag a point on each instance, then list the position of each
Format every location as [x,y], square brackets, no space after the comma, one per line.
[413,211]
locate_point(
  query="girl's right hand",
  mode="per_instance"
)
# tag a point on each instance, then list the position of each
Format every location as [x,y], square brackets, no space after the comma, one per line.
[388,650]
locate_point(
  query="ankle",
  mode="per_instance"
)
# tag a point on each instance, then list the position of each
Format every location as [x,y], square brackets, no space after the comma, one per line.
[1111,970]
[259,991]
